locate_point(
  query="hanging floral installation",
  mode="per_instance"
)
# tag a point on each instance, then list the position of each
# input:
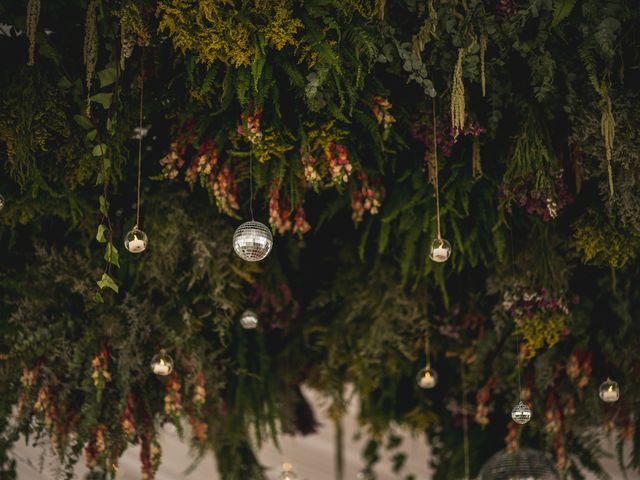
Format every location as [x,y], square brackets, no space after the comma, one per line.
[342,142]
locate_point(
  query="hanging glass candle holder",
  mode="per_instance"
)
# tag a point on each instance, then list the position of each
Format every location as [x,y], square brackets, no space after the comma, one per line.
[136,240]
[609,391]
[252,241]
[249,319]
[440,250]
[287,472]
[162,364]
[2,202]
[427,378]
[521,413]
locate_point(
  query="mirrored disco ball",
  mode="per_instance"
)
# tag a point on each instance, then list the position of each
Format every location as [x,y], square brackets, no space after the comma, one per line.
[252,241]
[525,464]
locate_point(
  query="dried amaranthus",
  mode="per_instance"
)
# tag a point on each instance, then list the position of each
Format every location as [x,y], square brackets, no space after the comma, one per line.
[33,15]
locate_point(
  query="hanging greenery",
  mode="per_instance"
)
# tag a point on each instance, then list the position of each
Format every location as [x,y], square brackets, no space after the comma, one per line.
[327,106]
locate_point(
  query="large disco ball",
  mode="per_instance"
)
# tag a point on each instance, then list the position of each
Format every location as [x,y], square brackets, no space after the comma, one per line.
[525,464]
[252,241]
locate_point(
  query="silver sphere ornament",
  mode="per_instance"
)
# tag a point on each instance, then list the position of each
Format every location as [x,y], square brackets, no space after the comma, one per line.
[521,413]
[440,250]
[136,240]
[252,241]
[2,202]
[162,364]
[609,391]
[249,319]
[427,378]
[524,464]
[287,472]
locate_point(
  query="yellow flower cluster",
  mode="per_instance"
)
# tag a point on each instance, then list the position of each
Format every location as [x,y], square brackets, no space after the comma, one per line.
[216,30]
[603,244]
[539,329]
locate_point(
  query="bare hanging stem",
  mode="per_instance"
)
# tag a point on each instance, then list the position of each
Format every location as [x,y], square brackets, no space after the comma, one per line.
[465,422]
[251,182]
[140,139]
[435,161]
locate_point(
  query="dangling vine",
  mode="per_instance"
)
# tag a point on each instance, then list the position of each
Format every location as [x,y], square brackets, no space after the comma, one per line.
[608,130]
[457,97]
[90,51]
[483,51]
[33,15]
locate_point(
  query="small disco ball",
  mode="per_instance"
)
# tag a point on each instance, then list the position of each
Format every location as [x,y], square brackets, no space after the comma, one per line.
[162,364]
[249,319]
[524,464]
[609,391]
[521,413]
[2,202]
[427,378]
[252,241]
[440,250]
[287,472]
[136,240]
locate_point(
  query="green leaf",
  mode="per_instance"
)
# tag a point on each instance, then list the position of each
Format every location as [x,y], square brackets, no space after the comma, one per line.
[104,205]
[107,76]
[103,99]
[107,282]
[97,297]
[83,121]
[64,83]
[561,10]
[100,236]
[91,135]
[111,255]
[99,150]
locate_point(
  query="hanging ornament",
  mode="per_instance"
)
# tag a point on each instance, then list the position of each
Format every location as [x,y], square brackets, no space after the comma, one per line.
[252,241]
[1,202]
[287,472]
[427,378]
[524,464]
[609,391]
[136,240]
[249,319]
[521,413]
[440,248]
[162,364]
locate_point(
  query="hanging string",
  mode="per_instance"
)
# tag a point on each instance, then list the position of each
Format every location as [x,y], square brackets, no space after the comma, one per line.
[251,182]
[513,274]
[140,139]
[518,366]
[465,423]
[435,161]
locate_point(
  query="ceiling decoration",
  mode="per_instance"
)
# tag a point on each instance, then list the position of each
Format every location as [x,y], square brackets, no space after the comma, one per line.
[459,171]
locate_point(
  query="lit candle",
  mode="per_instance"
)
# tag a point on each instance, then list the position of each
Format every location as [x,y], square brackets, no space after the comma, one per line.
[136,245]
[610,395]
[161,368]
[440,253]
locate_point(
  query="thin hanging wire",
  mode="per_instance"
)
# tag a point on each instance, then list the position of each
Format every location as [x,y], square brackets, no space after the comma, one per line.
[435,161]
[427,349]
[518,364]
[518,367]
[465,423]
[251,182]
[140,140]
